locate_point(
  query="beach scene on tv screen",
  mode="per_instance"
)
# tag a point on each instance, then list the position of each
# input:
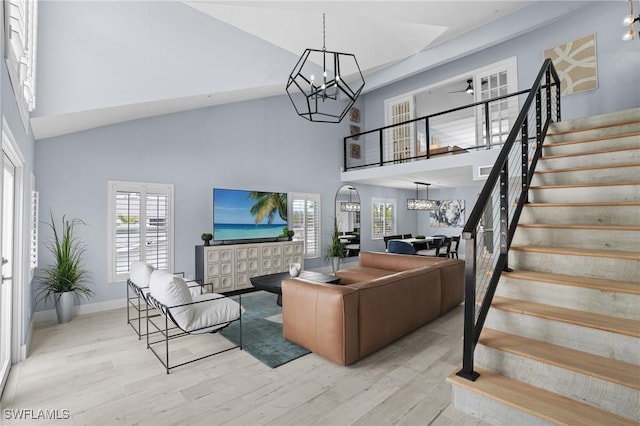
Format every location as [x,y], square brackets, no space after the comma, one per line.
[240,214]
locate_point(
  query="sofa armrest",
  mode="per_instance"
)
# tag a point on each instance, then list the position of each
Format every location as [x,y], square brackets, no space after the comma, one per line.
[322,318]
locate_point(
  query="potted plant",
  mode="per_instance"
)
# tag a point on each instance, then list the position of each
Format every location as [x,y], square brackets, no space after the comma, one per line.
[65,279]
[335,250]
[206,237]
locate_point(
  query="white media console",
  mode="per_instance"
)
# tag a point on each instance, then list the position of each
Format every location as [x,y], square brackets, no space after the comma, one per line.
[230,267]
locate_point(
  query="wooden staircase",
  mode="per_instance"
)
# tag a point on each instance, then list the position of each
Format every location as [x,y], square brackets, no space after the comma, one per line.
[561,343]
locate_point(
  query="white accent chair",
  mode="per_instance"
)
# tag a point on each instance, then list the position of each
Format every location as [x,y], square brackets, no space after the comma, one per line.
[204,313]
[137,291]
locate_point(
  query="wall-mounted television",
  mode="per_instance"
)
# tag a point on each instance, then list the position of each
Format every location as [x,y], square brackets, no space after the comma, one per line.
[248,215]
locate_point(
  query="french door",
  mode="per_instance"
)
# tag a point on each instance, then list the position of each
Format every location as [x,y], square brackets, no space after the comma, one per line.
[491,83]
[7,228]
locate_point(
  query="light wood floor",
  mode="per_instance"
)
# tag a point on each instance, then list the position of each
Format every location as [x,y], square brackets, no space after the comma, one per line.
[96,368]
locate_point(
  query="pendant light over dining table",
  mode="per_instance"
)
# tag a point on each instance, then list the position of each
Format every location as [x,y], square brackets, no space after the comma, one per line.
[324,85]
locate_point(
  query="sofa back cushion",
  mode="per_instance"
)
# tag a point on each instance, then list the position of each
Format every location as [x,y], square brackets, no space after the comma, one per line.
[171,290]
[393,306]
[140,273]
[358,274]
[396,262]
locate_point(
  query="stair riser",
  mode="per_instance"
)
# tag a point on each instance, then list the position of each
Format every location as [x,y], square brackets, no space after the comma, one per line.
[616,174]
[586,194]
[589,215]
[551,148]
[579,298]
[583,238]
[490,410]
[598,342]
[612,397]
[587,160]
[588,266]
[625,116]
[600,134]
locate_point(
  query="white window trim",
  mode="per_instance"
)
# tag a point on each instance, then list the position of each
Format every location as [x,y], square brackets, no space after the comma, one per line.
[385,201]
[143,187]
[314,198]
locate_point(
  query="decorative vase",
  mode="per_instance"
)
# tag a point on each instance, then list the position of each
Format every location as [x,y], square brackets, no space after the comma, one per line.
[64,306]
[206,242]
[294,270]
[335,264]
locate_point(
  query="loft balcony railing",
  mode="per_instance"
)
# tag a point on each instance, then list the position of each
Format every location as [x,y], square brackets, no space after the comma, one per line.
[492,223]
[478,126]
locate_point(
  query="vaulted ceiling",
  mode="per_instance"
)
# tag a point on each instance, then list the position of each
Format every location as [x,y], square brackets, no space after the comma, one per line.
[103,62]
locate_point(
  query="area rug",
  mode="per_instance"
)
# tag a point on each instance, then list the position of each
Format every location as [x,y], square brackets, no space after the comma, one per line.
[262,331]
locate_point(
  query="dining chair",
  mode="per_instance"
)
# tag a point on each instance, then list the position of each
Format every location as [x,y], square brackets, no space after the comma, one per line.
[400,247]
[433,250]
[455,243]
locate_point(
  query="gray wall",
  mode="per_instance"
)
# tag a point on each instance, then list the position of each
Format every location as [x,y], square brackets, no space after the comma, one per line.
[618,64]
[256,145]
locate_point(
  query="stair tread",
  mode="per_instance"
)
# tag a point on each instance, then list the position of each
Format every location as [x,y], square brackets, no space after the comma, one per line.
[585,185]
[574,251]
[578,226]
[541,403]
[585,168]
[552,129]
[596,139]
[595,152]
[587,204]
[627,287]
[593,320]
[608,369]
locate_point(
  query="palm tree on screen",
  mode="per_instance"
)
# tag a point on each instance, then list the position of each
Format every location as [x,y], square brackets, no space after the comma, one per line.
[268,204]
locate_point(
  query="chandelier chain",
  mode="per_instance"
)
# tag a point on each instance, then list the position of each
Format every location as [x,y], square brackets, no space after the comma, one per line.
[324,44]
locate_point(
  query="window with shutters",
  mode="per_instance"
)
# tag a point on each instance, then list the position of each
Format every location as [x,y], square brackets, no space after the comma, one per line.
[383,221]
[20,52]
[140,226]
[305,221]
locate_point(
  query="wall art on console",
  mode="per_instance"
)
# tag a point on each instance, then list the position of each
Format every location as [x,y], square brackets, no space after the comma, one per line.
[450,213]
[576,64]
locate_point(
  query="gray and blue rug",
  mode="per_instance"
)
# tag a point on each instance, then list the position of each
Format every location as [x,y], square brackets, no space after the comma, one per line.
[262,331]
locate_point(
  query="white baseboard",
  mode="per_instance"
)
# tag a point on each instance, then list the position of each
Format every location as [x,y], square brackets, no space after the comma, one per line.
[24,349]
[85,308]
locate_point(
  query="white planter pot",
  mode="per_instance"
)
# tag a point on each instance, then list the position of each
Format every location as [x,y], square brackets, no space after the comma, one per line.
[64,306]
[335,264]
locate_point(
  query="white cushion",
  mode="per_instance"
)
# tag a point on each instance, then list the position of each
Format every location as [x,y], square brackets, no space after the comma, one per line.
[214,312]
[140,273]
[172,291]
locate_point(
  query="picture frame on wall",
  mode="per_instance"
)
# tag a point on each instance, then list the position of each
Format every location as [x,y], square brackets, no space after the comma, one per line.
[354,115]
[576,64]
[354,131]
[355,150]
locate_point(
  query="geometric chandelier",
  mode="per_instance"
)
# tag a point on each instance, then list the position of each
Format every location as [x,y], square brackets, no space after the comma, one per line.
[318,86]
[421,203]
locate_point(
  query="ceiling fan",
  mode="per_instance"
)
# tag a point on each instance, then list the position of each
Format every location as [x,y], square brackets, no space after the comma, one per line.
[468,90]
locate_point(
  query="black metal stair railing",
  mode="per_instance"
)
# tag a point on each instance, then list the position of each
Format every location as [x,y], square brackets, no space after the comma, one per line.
[492,223]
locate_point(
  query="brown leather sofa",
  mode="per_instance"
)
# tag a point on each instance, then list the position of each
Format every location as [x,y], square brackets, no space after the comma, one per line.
[384,298]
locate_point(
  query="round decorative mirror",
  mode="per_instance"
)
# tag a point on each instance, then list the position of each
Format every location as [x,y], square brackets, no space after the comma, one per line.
[348,218]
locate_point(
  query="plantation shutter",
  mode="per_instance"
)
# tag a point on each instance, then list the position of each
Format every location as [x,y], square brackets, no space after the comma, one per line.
[141,227]
[383,221]
[305,221]
[20,33]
